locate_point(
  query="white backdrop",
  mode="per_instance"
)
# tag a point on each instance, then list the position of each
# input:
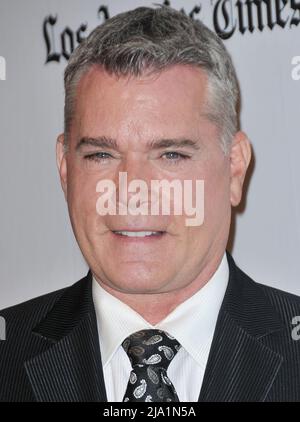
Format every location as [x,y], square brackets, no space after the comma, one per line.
[38,252]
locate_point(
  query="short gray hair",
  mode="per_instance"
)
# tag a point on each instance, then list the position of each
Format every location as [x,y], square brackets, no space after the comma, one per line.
[150,40]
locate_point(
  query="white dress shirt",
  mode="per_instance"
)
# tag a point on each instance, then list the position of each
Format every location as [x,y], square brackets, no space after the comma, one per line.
[192,323]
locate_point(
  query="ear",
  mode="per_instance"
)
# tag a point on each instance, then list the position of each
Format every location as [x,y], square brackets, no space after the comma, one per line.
[240,156]
[62,162]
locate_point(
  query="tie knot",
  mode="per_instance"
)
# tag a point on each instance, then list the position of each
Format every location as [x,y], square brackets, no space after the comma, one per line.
[151,347]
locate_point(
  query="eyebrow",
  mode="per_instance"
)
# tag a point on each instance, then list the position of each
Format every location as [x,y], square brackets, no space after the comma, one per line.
[100,142]
[166,143]
[105,142]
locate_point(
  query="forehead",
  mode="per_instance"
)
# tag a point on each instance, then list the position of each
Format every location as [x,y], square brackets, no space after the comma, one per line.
[172,99]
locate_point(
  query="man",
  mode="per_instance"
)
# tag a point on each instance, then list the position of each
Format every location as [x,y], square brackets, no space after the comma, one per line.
[164,314]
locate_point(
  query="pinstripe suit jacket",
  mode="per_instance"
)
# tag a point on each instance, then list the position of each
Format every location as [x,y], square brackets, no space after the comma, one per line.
[51,351]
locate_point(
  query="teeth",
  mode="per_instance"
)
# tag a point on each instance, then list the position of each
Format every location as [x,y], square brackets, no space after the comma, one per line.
[137,234]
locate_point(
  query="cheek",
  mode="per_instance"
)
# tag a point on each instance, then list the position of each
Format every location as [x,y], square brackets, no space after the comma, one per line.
[217,192]
[82,195]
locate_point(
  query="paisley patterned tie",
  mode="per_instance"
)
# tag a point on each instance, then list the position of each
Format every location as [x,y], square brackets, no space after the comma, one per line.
[150,353]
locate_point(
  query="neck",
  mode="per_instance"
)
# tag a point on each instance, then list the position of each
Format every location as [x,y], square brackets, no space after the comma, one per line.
[154,307]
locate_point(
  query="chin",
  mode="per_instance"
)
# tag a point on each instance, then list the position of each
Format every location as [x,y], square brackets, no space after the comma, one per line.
[135,284]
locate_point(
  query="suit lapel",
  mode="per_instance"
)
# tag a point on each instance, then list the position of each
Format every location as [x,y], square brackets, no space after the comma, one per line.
[240,366]
[70,368]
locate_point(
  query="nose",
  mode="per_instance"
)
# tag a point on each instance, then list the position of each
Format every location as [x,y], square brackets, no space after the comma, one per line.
[136,175]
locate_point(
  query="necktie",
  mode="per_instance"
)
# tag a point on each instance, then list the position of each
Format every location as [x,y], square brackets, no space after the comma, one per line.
[150,352]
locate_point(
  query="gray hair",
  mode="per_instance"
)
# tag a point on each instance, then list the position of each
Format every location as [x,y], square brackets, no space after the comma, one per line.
[150,40]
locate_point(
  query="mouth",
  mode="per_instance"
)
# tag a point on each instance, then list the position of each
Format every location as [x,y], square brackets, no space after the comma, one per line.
[138,235]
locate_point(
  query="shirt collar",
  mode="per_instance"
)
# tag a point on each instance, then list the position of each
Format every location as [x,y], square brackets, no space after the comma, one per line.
[192,322]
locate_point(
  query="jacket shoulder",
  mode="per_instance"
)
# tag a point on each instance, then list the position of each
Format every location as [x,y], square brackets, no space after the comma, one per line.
[285,303]
[31,310]
[20,343]
[25,315]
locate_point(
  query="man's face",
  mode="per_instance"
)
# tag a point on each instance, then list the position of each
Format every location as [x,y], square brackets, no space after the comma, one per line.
[133,112]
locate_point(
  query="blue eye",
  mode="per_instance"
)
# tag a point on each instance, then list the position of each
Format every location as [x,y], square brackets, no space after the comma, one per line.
[175,156]
[97,156]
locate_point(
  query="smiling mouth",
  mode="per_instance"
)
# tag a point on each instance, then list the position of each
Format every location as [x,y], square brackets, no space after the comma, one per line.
[138,234]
